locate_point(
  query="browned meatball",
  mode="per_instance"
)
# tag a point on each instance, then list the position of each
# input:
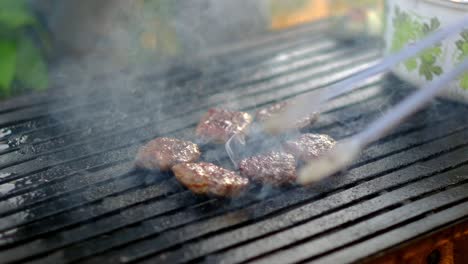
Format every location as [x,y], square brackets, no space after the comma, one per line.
[309,146]
[207,178]
[274,168]
[263,115]
[163,153]
[218,125]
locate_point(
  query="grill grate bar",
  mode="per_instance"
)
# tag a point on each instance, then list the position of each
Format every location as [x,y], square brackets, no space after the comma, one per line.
[130,120]
[43,211]
[244,63]
[436,134]
[139,123]
[17,118]
[412,170]
[411,220]
[112,192]
[48,211]
[178,90]
[74,181]
[134,137]
[320,129]
[35,180]
[431,221]
[108,242]
[169,96]
[29,250]
[347,215]
[163,200]
[335,104]
[65,207]
[363,230]
[342,198]
[68,185]
[55,123]
[292,39]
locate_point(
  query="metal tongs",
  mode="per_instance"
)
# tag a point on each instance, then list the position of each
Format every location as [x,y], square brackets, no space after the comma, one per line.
[345,151]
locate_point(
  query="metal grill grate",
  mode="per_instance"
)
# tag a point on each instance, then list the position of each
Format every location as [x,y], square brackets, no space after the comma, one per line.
[68,192]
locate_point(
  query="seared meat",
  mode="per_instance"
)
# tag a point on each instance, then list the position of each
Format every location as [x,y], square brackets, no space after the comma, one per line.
[218,125]
[265,114]
[163,153]
[309,146]
[207,178]
[274,168]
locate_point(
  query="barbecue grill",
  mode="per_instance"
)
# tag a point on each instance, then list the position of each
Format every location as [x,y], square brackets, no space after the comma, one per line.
[69,193]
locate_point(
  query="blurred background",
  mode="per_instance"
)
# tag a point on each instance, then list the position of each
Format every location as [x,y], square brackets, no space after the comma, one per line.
[43,40]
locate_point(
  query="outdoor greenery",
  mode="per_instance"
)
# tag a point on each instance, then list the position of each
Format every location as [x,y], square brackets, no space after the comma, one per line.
[408,30]
[21,61]
[462,46]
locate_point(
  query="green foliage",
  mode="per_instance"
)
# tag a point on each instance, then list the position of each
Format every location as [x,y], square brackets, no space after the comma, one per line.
[14,14]
[464,81]
[428,66]
[7,64]
[462,47]
[21,62]
[408,30]
[411,64]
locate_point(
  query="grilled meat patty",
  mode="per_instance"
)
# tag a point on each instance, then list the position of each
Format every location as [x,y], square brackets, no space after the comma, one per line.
[218,125]
[207,178]
[263,115]
[163,153]
[309,146]
[274,168]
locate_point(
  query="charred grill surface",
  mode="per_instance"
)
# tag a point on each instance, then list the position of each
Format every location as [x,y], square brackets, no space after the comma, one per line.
[68,192]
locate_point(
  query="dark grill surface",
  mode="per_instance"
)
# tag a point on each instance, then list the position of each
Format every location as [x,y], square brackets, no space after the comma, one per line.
[68,192]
